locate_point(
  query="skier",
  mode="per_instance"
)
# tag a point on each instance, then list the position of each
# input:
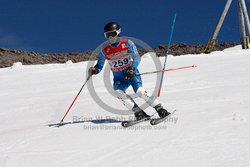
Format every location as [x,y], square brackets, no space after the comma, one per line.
[123,57]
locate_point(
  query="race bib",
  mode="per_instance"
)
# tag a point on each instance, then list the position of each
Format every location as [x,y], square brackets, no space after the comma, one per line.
[121,64]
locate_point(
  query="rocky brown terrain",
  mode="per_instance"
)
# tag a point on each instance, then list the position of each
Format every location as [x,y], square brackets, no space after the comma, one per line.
[8,57]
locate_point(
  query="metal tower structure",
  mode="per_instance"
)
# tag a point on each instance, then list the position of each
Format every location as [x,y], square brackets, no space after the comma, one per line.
[243,22]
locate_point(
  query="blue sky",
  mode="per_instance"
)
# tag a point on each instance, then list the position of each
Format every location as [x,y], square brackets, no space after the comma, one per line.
[58,26]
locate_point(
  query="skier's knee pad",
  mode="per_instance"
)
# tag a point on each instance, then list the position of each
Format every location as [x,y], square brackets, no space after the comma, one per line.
[151,100]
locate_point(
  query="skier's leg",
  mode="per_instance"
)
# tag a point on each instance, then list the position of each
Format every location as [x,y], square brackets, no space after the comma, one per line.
[152,101]
[136,83]
[128,102]
[120,86]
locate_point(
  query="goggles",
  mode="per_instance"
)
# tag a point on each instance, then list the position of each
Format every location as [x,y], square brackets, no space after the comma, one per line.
[112,33]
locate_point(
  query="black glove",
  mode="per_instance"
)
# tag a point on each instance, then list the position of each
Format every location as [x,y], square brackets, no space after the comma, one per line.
[93,71]
[130,73]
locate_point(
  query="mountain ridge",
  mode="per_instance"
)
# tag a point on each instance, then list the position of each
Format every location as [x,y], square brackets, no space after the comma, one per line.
[10,56]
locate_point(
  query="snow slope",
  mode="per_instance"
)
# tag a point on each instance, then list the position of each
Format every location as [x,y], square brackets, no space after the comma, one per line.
[210,127]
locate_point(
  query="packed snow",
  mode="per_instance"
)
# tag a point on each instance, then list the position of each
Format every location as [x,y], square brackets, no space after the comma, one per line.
[209,128]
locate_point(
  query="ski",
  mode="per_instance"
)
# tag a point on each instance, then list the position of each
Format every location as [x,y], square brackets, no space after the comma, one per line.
[155,121]
[126,124]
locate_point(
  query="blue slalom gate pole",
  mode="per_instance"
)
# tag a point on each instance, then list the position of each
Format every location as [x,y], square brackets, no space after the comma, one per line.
[166,57]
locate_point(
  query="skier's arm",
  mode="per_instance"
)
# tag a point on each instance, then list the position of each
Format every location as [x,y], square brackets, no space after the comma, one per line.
[134,52]
[101,60]
[99,65]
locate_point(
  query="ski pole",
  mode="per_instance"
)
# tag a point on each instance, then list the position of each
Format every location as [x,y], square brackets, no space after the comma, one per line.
[75,98]
[170,69]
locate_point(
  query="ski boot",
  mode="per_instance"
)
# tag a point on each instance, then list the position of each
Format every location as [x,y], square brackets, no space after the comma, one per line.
[141,115]
[161,111]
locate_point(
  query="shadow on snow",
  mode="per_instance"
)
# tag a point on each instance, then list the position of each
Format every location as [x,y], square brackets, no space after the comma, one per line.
[98,121]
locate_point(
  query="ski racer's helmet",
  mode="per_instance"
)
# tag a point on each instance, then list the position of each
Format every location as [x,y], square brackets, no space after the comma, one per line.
[112,29]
